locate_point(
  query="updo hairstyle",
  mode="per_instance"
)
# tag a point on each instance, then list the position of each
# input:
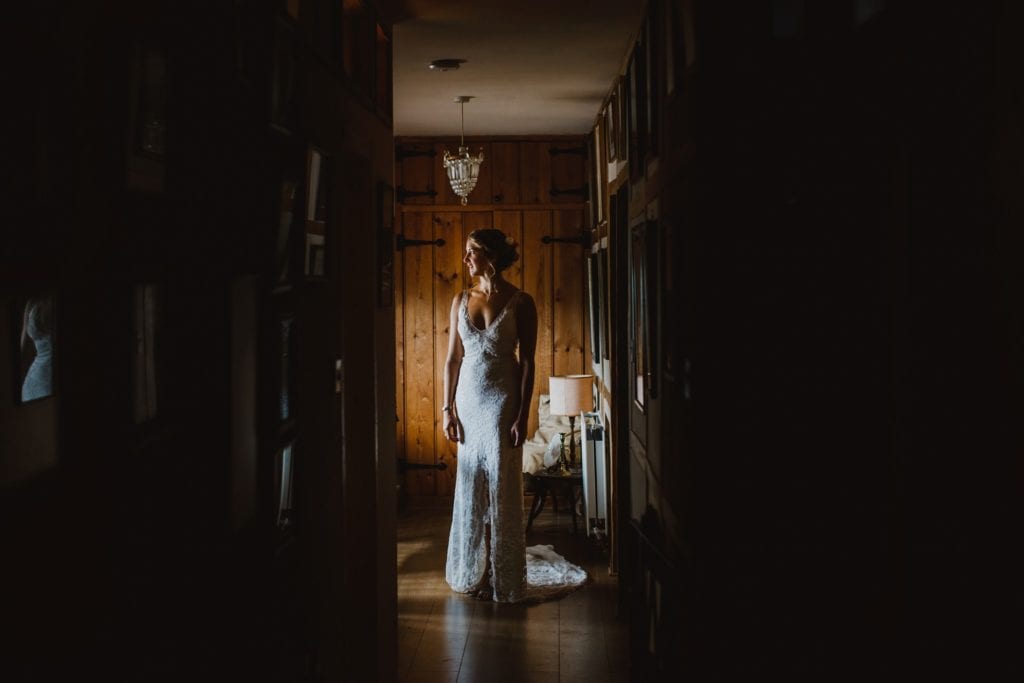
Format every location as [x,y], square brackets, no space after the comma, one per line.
[498,247]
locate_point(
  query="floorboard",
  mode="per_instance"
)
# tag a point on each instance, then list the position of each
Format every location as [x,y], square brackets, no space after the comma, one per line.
[448,637]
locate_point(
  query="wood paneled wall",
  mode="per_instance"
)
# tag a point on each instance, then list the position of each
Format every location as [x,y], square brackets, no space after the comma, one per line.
[513,194]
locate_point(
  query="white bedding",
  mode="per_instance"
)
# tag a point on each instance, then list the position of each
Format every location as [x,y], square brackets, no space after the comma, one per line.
[541,450]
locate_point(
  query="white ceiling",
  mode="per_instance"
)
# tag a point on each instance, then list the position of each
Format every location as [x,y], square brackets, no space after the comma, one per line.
[534,66]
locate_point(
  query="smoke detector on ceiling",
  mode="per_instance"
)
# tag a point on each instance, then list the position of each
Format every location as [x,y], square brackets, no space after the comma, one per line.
[446,64]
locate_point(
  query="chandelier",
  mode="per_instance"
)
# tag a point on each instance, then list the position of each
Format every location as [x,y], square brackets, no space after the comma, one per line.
[463,169]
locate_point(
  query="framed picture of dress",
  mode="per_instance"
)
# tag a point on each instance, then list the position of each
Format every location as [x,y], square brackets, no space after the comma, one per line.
[317,213]
[35,347]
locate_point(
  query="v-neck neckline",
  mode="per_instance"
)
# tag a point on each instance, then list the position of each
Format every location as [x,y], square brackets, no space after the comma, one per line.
[495,320]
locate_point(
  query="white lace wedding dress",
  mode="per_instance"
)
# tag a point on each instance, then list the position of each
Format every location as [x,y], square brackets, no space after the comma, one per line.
[489,480]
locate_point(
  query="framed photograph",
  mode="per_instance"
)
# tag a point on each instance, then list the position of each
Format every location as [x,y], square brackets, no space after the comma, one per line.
[604,299]
[385,245]
[285,393]
[599,171]
[594,301]
[145,324]
[288,190]
[643,307]
[317,213]
[283,69]
[147,117]
[638,321]
[622,118]
[609,129]
[35,347]
[637,110]
[283,476]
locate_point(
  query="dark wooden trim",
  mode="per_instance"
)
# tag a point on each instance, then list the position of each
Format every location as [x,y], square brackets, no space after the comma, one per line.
[469,208]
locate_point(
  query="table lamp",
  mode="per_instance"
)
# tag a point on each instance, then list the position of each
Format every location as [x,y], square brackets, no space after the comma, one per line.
[571,395]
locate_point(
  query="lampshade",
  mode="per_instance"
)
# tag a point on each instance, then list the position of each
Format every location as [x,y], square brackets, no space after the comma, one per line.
[571,394]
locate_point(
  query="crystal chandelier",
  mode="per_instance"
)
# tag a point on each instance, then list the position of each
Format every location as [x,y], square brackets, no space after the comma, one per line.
[463,169]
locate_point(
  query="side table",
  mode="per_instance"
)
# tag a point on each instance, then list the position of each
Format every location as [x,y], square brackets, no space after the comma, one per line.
[554,482]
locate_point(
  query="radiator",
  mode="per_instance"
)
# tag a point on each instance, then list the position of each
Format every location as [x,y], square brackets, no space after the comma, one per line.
[595,476]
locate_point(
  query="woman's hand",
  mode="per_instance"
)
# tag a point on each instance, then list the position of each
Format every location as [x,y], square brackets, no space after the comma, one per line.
[451,426]
[519,432]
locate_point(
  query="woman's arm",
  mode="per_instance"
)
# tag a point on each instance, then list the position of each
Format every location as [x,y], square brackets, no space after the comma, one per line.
[451,372]
[526,319]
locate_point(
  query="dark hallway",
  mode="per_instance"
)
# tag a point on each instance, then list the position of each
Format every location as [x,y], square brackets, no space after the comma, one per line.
[781,239]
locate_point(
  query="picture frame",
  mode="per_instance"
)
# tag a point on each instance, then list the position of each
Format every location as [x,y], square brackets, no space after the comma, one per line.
[35,345]
[605,300]
[639,351]
[599,170]
[317,213]
[286,370]
[622,122]
[146,305]
[284,478]
[289,190]
[596,321]
[146,142]
[643,306]
[611,115]
[385,245]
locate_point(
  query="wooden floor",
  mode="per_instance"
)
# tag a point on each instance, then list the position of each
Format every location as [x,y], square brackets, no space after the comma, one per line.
[444,636]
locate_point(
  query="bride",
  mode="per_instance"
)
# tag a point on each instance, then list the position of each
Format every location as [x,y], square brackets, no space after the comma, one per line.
[487,396]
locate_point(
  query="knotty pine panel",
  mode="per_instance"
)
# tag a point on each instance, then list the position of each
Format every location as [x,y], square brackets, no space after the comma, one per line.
[566,174]
[447,283]
[419,352]
[537,281]
[568,294]
[535,172]
[505,164]
[399,297]
[417,173]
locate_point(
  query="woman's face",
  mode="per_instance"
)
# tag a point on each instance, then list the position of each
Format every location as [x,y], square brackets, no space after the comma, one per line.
[476,260]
